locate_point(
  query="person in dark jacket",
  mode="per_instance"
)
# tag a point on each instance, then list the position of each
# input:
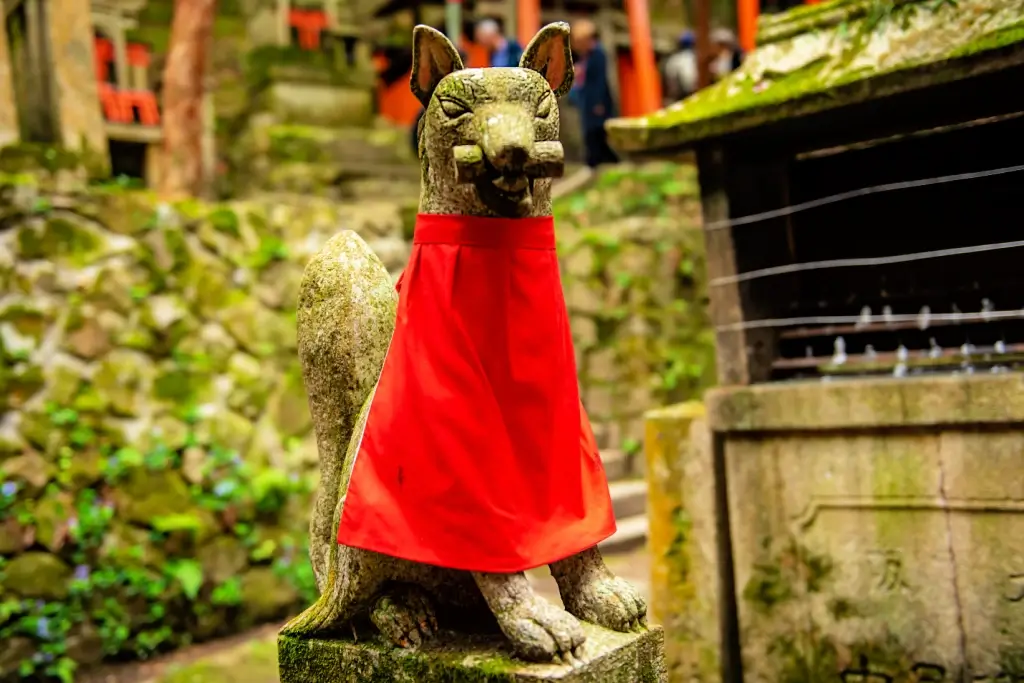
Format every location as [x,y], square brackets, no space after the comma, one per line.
[591,92]
[503,51]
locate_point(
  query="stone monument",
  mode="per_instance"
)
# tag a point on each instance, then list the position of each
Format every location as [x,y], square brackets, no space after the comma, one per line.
[488,151]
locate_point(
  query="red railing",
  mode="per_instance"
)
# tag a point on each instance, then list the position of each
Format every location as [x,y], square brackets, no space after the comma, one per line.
[309,24]
[124,106]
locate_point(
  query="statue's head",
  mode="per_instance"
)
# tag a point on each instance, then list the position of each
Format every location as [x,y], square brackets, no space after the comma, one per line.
[488,139]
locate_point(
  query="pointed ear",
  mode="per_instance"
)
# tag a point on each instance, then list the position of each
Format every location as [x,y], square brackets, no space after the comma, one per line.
[433,58]
[549,55]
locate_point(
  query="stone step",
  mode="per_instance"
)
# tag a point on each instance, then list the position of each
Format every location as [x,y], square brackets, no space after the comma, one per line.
[630,535]
[617,465]
[629,498]
[621,465]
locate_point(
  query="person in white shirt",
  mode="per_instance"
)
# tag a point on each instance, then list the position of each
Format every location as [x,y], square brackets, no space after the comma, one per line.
[681,70]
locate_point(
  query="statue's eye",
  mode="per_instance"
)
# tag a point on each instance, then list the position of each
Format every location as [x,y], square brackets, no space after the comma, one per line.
[453,109]
[544,108]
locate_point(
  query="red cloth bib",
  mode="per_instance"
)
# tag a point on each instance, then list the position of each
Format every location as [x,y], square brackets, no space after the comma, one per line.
[477,453]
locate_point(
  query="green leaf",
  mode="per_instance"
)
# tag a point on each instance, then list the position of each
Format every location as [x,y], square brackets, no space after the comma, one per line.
[179,522]
[188,574]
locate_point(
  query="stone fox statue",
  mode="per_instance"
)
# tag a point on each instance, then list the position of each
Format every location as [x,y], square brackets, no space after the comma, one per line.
[454,494]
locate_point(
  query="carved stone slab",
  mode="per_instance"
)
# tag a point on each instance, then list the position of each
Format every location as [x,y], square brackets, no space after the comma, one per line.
[610,658]
[876,528]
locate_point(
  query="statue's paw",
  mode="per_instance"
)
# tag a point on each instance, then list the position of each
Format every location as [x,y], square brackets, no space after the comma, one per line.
[405,615]
[610,602]
[541,632]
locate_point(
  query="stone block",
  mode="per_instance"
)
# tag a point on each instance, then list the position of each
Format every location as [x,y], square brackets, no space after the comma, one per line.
[682,540]
[876,527]
[456,658]
[321,104]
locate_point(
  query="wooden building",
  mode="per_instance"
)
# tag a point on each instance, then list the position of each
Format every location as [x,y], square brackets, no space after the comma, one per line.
[859,178]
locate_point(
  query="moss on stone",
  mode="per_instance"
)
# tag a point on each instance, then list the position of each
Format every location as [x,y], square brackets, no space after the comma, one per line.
[37,575]
[457,658]
[826,58]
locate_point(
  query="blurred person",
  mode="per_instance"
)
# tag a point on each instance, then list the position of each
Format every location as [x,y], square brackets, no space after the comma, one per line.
[681,76]
[727,53]
[503,51]
[591,92]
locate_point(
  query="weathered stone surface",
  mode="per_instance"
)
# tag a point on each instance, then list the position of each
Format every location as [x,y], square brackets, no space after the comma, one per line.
[37,575]
[610,658]
[682,541]
[858,533]
[69,29]
[9,131]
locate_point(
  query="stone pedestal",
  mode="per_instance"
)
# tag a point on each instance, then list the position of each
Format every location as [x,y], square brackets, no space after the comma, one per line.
[457,658]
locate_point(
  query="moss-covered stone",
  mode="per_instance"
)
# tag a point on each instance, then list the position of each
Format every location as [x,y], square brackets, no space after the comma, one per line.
[123,381]
[454,658]
[30,469]
[266,595]
[128,545]
[222,558]
[144,496]
[251,385]
[257,329]
[37,575]
[840,53]
[51,517]
[60,237]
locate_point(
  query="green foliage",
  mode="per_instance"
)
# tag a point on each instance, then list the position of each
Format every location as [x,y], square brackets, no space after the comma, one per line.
[134,605]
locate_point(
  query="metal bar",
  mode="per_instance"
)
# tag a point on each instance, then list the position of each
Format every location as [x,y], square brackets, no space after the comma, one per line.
[990,316]
[896,326]
[889,359]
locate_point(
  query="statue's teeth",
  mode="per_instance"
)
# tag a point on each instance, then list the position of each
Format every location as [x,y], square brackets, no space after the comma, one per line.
[517,185]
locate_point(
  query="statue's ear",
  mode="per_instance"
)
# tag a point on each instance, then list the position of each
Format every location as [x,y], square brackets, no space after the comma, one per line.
[433,58]
[549,55]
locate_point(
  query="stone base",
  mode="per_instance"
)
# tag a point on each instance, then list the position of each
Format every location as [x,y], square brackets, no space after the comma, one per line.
[457,658]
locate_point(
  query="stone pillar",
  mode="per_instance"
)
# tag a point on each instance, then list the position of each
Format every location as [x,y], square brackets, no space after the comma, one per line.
[79,115]
[123,69]
[9,132]
[685,589]
[284,33]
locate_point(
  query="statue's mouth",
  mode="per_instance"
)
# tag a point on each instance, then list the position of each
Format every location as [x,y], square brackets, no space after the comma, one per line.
[503,192]
[506,195]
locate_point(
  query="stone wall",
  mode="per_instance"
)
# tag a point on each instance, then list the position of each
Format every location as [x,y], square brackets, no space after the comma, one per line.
[633,272]
[155,445]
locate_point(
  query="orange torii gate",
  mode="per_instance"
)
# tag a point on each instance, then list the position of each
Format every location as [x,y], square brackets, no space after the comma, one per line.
[647,85]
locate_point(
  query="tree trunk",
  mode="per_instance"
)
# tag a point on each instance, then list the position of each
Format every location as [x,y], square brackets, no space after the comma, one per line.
[183,87]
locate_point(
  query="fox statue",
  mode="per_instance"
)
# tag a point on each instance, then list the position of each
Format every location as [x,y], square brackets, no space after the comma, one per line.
[488,149]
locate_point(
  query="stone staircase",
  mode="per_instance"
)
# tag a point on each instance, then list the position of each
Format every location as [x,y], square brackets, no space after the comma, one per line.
[629,500]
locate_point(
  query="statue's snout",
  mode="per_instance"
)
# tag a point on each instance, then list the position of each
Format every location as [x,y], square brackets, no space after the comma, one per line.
[539,160]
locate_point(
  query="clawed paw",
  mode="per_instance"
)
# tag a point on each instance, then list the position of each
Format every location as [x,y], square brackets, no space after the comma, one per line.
[541,632]
[405,616]
[610,602]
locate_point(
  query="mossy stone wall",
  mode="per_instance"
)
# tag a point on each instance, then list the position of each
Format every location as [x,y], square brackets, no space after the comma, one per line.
[633,271]
[156,454]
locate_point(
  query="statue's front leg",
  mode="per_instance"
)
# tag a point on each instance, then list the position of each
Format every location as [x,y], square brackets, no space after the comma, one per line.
[592,593]
[539,631]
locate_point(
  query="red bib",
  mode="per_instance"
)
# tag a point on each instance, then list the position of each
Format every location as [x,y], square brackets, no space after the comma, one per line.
[477,453]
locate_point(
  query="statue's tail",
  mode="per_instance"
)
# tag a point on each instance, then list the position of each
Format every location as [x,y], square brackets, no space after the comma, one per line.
[346,315]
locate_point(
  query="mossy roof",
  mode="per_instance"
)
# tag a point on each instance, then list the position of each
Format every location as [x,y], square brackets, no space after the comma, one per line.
[829,55]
